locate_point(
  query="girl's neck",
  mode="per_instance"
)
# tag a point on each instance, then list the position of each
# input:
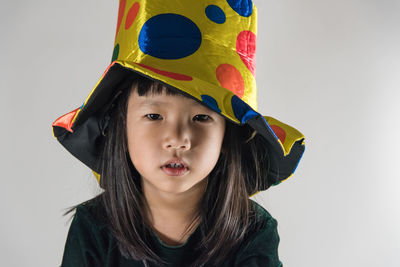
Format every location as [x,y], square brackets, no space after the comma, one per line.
[174,208]
[174,216]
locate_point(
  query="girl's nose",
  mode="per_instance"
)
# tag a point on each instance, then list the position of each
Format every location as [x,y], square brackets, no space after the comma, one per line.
[177,137]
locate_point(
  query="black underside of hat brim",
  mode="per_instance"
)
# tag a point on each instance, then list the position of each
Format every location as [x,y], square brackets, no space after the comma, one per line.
[85,141]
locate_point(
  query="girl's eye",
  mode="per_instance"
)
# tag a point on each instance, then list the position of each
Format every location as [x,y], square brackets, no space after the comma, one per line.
[202,117]
[153,116]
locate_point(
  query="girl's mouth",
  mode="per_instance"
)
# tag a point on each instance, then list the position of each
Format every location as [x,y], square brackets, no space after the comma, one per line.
[174,171]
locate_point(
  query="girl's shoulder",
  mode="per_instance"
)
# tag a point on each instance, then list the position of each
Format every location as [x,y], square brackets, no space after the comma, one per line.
[262,244]
[89,239]
[92,212]
[262,220]
[261,210]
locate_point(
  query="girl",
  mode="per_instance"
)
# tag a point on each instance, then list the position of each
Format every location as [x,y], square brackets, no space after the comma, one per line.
[173,137]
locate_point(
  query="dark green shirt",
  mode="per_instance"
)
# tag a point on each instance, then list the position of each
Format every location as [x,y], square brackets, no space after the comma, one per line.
[90,244]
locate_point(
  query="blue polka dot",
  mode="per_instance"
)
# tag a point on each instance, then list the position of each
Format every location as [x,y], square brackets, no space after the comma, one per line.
[169,36]
[215,14]
[243,7]
[210,102]
[242,111]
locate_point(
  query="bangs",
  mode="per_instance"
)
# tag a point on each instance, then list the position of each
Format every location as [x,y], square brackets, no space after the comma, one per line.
[145,86]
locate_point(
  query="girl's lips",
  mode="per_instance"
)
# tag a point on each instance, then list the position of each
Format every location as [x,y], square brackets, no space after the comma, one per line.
[174,171]
[176,160]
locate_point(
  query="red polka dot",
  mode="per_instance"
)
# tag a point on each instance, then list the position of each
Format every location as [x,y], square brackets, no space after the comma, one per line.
[121,12]
[279,132]
[246,48]
[173,75]
[230,78]
[131,16]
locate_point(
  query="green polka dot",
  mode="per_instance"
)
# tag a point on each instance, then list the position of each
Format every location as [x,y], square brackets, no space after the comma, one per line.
[115,53]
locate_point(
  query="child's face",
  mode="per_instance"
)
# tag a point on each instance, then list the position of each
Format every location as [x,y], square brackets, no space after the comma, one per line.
[162,127]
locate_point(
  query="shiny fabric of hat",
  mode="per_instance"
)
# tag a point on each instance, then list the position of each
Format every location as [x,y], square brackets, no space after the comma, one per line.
[205,49]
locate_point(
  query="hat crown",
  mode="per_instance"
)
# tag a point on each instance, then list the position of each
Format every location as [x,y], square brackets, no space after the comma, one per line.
[206,48]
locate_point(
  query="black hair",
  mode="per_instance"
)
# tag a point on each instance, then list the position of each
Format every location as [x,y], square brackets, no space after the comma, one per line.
[226,217]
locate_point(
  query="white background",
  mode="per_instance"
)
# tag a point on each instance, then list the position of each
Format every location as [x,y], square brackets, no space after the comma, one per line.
[329,68]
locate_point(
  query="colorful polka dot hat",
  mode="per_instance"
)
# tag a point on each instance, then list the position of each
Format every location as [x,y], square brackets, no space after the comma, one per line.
[206,49]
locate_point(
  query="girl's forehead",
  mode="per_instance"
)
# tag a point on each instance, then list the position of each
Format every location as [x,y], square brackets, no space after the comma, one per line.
[163,100]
